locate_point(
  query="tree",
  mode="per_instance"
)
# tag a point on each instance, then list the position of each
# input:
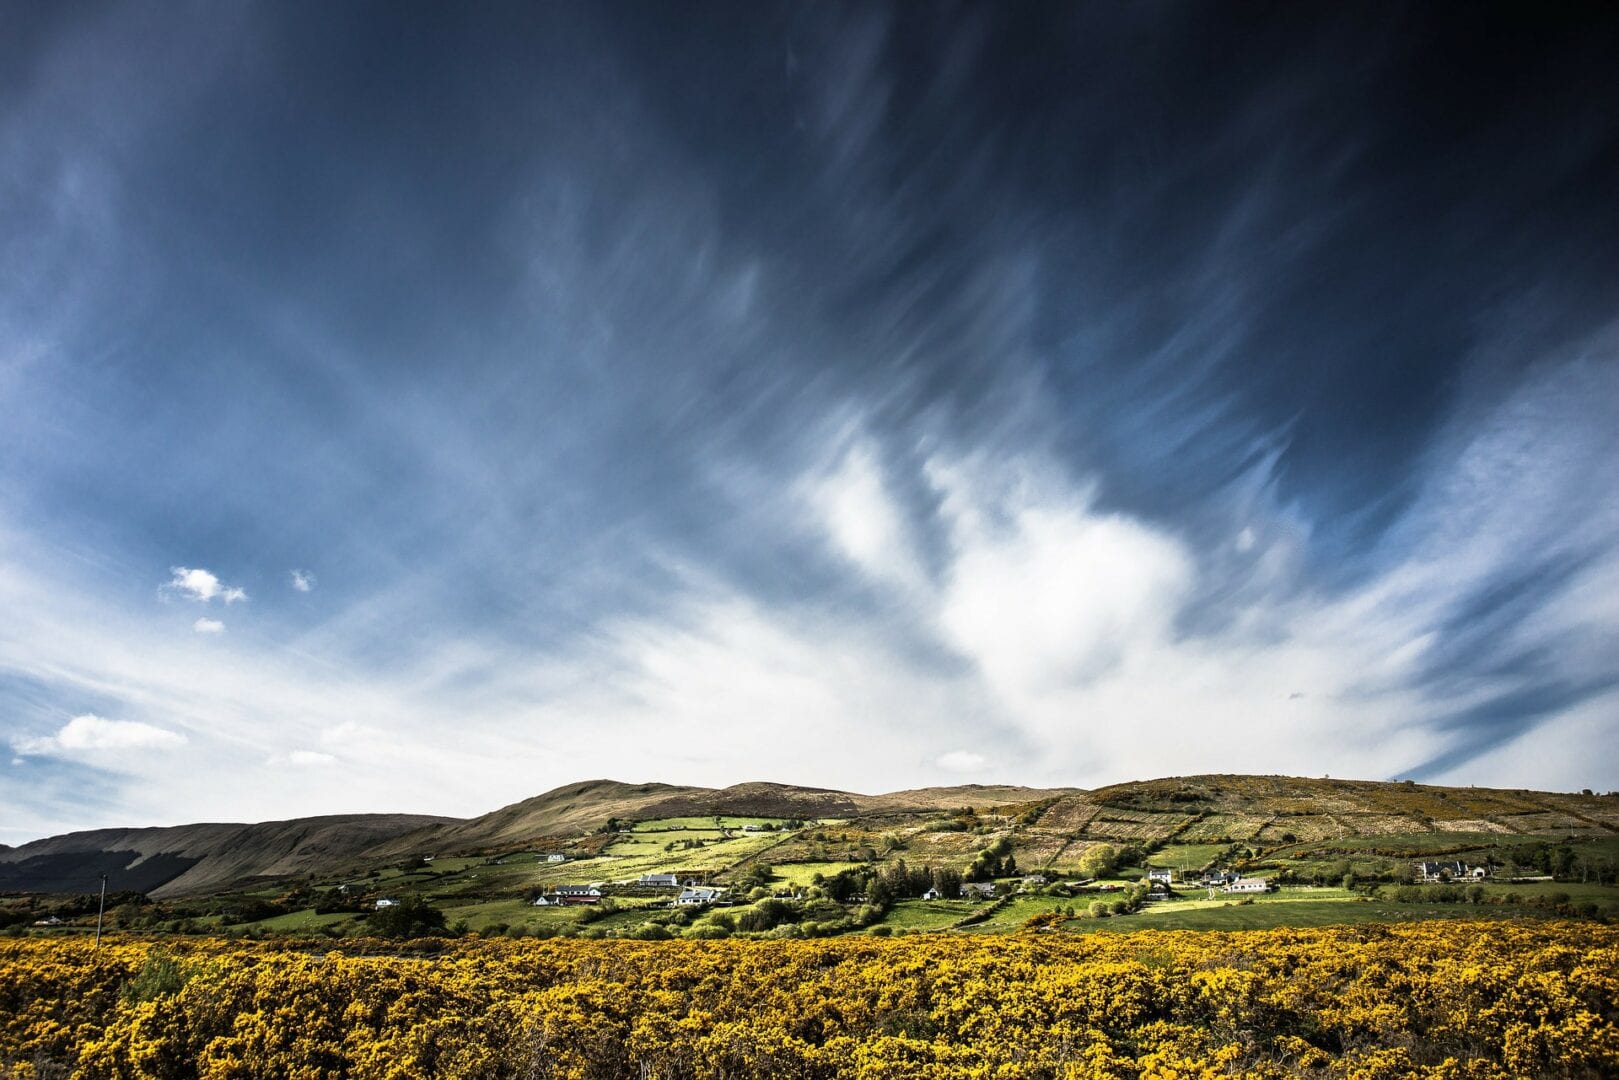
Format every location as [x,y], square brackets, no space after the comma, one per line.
[1100,860]
[411,917]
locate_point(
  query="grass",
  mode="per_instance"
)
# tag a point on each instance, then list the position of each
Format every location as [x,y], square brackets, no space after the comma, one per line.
[702,824]
[1263,915]
[801,873]
[1192,856]
[307,919]
[927,914]
[1604,896]
[1021,910]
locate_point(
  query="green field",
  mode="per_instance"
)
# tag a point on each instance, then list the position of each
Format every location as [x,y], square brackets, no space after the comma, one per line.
[1192,856]
[709,824]
[927,914]
[1264,916]
[799,874]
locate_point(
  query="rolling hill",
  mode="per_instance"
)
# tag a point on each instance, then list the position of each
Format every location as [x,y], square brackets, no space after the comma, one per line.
[1048,827]
[192,859]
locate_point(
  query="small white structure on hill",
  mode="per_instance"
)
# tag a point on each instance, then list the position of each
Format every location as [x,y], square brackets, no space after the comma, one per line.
[387,902]
[1160,873]
[660,881]
[1247,885]
[556,856]
[699,895]
[577,894]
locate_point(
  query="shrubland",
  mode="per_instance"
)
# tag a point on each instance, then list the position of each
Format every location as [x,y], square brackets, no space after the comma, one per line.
[1482,1000]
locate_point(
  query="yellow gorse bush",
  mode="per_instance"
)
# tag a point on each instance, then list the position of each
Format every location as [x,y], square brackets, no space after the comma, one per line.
[1434,999]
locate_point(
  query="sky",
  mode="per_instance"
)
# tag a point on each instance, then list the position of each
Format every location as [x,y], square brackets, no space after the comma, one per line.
[418,408]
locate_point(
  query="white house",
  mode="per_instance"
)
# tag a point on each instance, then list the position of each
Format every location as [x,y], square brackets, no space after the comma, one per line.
[933,894]
[660,881]
[1160,873]
[578,894]
[1450,871]
[699,895]
[387,902]
[978,890]
[1247,885]
[556,856]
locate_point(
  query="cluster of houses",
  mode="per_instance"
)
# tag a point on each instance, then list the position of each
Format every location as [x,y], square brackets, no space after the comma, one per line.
[692,892]
[1450,871]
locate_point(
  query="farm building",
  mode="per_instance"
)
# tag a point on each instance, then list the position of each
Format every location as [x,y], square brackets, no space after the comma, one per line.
[698,895]
[1160,874]
[387,902]
[660,881]
[1248,885]
[578,894]
[978,890]
[556,856]
[1450,871]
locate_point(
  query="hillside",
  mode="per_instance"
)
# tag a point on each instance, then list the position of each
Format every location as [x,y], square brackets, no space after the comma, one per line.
[580,809]
[1047,828]
[193,859]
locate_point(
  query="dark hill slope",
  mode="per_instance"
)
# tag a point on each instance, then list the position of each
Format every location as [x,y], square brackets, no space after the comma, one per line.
[192,859]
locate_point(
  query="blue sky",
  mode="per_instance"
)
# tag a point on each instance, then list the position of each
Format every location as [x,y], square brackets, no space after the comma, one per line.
[416,409]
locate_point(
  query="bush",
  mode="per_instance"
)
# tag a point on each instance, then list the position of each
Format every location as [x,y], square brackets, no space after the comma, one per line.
[411,917]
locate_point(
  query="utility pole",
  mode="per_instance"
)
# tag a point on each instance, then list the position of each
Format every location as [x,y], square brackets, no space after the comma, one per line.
[101,909]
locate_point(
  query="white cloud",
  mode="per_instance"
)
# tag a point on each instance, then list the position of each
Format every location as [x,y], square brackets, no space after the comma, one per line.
[863,521]
[303,759]
[962,761]
[208,626]
[194,583]
[302,580]
[1042,591]
[91,733]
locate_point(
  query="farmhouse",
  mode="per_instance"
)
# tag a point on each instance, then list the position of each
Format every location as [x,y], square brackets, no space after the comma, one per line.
[1160,874]
[1035,879]
[556,856]
[1450,871]
[387,902]
[1247,885]
[660,881]
[578,894]
[978,890]
[698,896]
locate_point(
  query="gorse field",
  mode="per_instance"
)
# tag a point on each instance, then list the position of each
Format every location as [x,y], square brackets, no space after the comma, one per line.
[1500,1000]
